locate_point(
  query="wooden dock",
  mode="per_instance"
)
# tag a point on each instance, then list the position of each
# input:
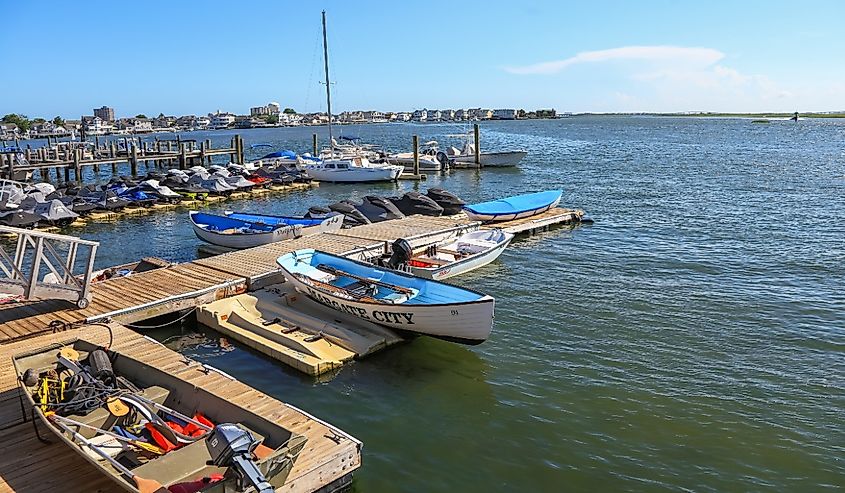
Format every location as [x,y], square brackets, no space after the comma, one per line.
[182,286]
[330,456]
[326,463]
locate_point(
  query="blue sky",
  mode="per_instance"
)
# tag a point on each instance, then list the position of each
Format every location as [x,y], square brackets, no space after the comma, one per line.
[193,57]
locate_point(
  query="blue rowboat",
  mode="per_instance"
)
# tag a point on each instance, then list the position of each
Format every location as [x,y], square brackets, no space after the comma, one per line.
[234,233]
[393,299]
[516,207]
[309,225]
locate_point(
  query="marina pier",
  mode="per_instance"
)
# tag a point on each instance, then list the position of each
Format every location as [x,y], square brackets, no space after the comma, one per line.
[330,456]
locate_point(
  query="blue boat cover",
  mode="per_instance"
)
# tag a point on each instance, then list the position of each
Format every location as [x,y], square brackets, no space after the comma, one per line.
[274,220]
[517,204]
[213,222]
[283,153]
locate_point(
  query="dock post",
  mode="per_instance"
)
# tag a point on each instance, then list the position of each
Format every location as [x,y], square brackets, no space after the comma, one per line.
[133,161]
[477,135]
[45,175]
[58,174]
[77,169]
[203,149]
[314,144]
[181,156]
[415,142]
[67,174]
[240,150]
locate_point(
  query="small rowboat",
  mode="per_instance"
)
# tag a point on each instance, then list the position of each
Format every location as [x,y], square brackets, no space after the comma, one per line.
[146,429]
[516,207]
[234,233]
[459,255]
[309,225]
[390,298]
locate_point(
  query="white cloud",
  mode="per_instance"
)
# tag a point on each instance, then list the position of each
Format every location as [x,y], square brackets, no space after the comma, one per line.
[674,54]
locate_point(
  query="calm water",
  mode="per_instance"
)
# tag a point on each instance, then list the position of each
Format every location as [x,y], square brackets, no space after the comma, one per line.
[692,339]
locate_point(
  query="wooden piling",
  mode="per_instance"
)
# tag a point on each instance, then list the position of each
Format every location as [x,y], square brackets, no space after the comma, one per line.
[133,161]
[77,169]
[477,135]
[182,160]
[314,144]
[415,142]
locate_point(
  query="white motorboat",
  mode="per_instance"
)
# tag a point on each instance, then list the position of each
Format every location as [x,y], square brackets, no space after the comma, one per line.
[458,255]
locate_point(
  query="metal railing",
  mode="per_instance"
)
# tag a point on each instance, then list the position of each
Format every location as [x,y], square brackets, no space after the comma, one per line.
[37,251]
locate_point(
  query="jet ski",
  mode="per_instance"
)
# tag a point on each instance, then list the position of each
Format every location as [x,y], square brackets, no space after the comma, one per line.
[216,185]
[19,219]
[55,213]
[161,192]
[45,188]
[416,203]
[450,202]
[376,208]
[239,182]
[353,217]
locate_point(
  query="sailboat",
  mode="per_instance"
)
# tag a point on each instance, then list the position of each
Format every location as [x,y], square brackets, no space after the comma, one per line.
[338,167]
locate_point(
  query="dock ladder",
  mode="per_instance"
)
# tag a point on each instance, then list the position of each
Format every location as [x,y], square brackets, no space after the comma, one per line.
[54,256]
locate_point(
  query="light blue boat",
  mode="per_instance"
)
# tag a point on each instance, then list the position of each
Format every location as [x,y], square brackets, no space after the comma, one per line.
[516,207]
[390,298]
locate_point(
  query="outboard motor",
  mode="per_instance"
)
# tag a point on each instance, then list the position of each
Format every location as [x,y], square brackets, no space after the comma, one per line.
[442,158]
[416,203]
[450,202]
[232,447]
[402,253]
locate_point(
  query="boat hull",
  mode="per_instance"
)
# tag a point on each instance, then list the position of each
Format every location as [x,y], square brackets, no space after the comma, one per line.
[356,175]
[465,322]
[408,162]
[240,241]
[466,264]
[494,159]
[505,215]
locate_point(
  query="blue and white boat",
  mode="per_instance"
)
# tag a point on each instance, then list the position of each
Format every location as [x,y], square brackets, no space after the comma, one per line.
[235,233]
[393,299]
[516,207]
[309,225]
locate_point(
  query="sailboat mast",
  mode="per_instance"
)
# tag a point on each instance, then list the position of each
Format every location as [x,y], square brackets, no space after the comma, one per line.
[328,87]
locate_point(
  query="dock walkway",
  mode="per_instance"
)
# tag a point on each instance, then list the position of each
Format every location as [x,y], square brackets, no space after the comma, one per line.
[182,286]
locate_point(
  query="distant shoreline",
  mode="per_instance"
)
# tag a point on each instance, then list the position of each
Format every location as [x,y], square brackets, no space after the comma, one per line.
[723,115]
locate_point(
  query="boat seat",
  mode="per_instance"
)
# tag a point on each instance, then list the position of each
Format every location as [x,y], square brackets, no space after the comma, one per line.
[184,464]
[101,416]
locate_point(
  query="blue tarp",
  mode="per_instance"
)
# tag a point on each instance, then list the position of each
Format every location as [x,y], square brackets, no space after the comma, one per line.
[283,153]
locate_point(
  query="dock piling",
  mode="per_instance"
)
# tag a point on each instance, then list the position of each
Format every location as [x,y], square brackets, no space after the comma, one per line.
[477,135]
[314,144]
[415,142]
[133,161]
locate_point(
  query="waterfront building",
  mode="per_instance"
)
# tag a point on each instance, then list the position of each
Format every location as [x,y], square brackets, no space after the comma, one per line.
[447,114]
[105,113]
[403,116]
[505,114]
[221,119]
[94,125]
[272,108]
[202,122]
[420,115]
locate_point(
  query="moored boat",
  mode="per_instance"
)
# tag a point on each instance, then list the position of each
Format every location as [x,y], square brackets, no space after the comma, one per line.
[234,233]
[149,430]
[454,256]
[390,298]
[309,225]
[517,207]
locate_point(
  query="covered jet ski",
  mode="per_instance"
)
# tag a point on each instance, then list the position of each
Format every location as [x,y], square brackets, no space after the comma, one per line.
[377,208]
[450,202]
[161,192]
[55,213]
[19,219]
[416,203]
[354,217]
[45,188]
[216,185]
[239,182]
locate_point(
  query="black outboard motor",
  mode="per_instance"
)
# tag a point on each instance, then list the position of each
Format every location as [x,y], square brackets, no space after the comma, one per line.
[442,158]
[450,202]
[402,253]
[353,215]
[231,446]
[416,203]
